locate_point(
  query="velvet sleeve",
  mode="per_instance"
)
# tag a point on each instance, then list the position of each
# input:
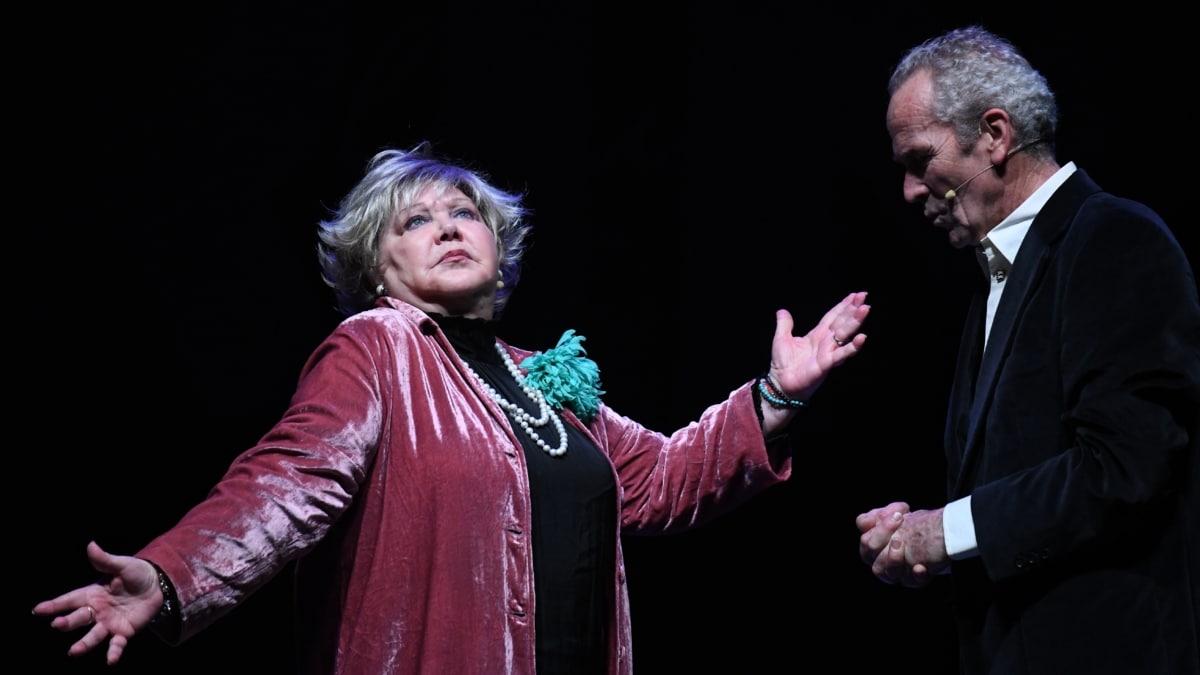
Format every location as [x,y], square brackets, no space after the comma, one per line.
[672,482]
[278,498]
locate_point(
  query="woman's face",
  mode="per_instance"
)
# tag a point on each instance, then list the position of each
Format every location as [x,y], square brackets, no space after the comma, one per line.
[440,256]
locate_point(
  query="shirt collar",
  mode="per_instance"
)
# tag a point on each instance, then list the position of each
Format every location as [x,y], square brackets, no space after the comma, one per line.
[1000,246]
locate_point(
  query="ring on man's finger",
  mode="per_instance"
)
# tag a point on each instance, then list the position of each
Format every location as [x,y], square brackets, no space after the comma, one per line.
[91,613]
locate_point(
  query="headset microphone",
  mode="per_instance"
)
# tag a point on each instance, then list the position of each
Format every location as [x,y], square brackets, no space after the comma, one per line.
[953,193]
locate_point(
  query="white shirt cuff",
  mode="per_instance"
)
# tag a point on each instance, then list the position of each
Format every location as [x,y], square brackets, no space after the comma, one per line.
[958,529]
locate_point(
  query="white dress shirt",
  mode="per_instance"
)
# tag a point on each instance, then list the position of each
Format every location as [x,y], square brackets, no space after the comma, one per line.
[999,252]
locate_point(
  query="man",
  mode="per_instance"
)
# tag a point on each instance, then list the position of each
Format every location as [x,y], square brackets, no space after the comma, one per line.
[1072,532]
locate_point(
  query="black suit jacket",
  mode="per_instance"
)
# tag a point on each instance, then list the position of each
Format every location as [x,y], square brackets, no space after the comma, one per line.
[1076,434]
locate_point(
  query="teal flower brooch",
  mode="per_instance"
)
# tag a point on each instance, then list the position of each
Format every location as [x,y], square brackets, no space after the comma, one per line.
[566,377]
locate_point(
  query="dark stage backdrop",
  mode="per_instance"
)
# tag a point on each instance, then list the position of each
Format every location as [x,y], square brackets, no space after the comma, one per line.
[690,170]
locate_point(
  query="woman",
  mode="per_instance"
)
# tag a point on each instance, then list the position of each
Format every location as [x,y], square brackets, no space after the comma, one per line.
[454,504]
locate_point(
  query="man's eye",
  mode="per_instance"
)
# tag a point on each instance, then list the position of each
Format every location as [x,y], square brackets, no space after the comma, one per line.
[917,164]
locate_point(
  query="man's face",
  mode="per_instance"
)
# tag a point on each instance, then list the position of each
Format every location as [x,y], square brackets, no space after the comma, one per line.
[938,170]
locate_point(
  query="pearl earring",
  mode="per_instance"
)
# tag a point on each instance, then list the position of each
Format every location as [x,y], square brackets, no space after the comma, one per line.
[380,290]
[500,283]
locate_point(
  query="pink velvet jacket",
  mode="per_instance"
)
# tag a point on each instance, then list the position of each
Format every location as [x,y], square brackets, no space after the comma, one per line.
[400,489]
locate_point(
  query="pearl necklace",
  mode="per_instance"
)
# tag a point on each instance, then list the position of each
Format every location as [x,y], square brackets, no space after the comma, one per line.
[522,418]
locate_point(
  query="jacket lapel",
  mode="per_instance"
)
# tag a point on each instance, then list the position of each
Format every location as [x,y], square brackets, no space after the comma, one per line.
[1033,259]
[961,391]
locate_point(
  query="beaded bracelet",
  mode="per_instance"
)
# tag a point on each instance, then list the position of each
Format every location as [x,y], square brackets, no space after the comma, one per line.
[167,612]
[775,396]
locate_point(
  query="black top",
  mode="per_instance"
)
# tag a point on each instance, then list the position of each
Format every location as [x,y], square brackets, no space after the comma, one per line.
[574,534]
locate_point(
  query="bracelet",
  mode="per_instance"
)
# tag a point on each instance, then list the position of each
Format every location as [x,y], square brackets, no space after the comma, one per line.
[775,396]
[166,613]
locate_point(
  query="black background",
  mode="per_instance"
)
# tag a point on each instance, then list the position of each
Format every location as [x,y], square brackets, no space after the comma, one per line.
[690,170]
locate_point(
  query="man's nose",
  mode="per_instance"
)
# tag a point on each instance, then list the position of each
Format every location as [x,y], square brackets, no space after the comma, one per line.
[914,190]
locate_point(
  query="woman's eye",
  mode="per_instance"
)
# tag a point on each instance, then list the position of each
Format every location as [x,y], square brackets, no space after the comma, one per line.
[467,213]
[415,222]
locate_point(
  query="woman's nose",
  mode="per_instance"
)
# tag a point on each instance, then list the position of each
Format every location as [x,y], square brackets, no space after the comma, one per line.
[447,226]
